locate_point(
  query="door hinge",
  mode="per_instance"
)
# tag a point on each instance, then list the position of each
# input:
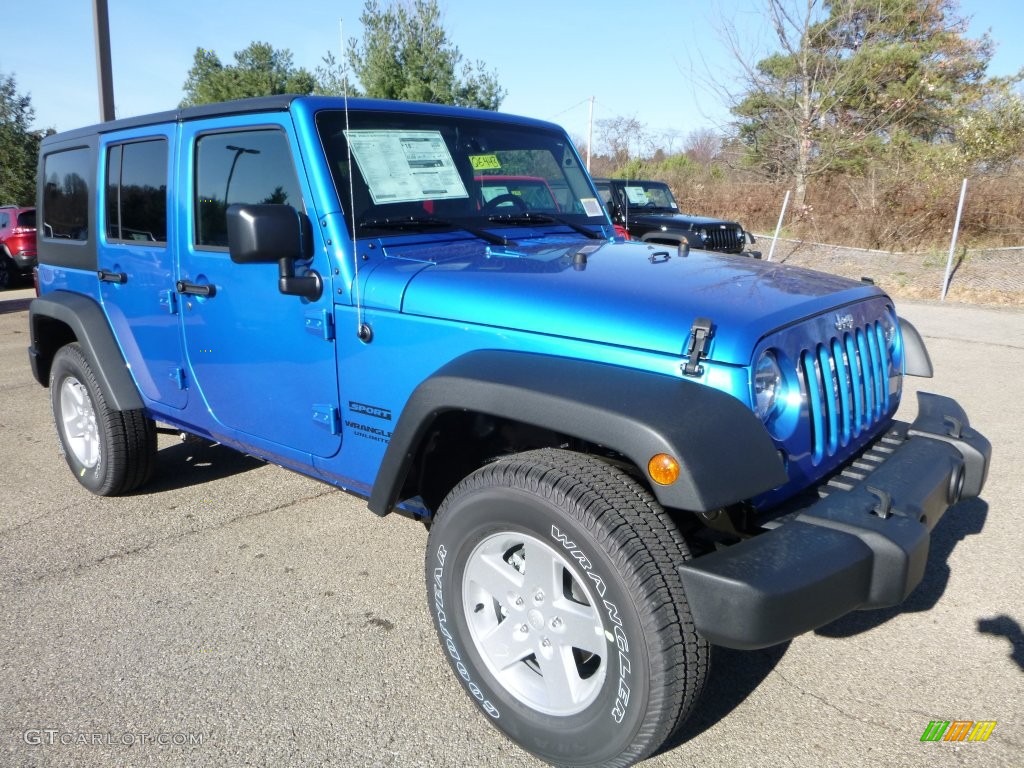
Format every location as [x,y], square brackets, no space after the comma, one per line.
[320,322]
[700,335]
[177,375]
[169,302]
[327,416]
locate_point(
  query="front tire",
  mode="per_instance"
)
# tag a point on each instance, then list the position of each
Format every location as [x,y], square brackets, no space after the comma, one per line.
[552,582]
[110,452]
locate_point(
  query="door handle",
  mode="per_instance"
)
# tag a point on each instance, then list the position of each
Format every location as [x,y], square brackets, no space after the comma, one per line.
[194,289]
[107,276]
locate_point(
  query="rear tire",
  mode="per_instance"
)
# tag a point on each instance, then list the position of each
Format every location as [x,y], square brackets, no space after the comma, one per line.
[8,273]
[551,578]
[110,452]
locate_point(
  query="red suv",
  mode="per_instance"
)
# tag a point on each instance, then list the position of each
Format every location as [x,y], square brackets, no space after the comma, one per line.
[17,243]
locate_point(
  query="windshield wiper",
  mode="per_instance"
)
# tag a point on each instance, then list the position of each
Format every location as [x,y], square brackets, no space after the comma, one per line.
[425,222]
[543,218]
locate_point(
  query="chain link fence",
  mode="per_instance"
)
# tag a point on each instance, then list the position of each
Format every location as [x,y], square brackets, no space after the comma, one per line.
[984,276]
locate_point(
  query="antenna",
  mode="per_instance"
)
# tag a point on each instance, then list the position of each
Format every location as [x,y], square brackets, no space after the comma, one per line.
[363,331]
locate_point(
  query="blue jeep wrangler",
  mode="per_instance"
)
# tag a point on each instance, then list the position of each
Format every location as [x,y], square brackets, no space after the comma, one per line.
[624,451]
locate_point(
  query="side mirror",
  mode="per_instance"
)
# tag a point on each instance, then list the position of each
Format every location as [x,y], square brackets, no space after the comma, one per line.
[750,237]
[263,234]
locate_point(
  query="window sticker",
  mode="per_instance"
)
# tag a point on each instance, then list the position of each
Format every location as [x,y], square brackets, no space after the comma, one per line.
[485,162]
[490,192]
[636,195]
[402,166]
[591,207]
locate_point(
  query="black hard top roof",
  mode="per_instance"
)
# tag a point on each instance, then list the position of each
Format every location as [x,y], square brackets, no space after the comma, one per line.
[278,103]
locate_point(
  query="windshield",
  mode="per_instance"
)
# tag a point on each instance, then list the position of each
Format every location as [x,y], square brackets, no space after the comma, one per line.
[416,172]
[647,194]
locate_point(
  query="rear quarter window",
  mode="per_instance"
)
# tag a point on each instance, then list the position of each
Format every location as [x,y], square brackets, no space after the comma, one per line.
[66,194]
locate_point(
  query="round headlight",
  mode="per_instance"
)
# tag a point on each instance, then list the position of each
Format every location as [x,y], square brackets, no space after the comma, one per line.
[767,384]
[893,339]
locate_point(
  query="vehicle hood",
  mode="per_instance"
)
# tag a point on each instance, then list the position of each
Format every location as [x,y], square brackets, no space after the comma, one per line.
[675,220]
[628,294]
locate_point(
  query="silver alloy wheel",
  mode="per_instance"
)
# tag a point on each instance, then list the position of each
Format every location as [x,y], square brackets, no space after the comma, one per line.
[534,623]
[78,417]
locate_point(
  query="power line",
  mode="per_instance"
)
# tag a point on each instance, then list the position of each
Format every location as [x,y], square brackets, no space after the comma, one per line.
[569,109]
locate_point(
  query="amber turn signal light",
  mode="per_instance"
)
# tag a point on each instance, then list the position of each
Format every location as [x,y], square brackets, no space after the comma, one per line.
[663,469]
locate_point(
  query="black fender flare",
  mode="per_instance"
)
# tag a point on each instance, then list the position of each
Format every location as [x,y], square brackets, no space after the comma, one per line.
[918,362]
[88,323]
[725,452]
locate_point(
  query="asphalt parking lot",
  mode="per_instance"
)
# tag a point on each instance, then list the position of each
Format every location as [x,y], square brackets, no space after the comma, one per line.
[234,613]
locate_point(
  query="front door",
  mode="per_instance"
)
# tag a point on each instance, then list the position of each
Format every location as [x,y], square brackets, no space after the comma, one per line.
[263,362]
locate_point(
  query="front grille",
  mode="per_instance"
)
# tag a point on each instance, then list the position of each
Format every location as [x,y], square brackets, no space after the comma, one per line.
[847,383]
[722,239]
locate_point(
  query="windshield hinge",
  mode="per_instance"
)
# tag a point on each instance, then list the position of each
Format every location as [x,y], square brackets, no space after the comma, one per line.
[700,335]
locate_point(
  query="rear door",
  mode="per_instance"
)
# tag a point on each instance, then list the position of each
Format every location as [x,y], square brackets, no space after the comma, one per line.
[134,257]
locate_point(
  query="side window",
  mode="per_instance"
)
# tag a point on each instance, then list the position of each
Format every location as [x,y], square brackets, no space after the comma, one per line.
[66,194]
[248,167]
[137,192]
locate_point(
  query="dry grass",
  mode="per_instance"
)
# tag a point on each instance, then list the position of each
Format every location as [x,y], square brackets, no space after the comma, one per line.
[888,214]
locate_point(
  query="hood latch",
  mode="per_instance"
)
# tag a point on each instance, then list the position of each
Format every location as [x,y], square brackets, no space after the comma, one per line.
[700,335]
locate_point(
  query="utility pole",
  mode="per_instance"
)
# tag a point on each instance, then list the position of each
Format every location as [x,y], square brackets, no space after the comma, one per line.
[590,133]
[101,26]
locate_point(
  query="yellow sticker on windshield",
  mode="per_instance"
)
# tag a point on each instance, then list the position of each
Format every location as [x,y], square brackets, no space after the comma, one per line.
[485,162]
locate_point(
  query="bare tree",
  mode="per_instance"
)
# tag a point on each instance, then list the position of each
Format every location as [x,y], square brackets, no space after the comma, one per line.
[703,146]
[623,138]
[786,96]
[669,137]
[846,77]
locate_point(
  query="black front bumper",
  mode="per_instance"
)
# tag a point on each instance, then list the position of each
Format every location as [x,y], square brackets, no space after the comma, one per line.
[865,547]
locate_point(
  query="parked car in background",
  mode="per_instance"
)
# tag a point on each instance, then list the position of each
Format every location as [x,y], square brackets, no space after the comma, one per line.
[527,192]
[17,243]
[646,210]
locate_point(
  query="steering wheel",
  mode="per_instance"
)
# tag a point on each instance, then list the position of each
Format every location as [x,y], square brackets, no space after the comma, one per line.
[507,197]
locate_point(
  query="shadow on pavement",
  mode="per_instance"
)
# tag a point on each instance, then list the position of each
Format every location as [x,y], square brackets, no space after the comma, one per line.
[7,306]
[194,462]
[965,519]
[1004,626]
[733,677]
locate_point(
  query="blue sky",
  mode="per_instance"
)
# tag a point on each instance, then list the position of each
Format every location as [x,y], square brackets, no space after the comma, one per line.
[551,55]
